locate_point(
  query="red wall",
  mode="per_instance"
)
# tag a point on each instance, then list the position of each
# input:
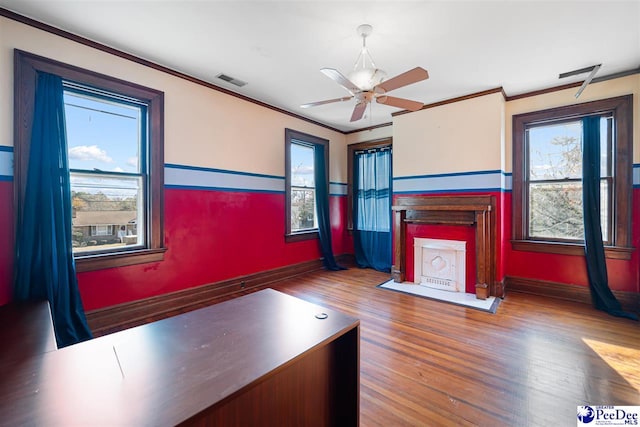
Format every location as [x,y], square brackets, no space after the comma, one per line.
[210,236]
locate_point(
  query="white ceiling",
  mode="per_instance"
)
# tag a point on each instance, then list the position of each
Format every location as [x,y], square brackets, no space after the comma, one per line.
[278,47]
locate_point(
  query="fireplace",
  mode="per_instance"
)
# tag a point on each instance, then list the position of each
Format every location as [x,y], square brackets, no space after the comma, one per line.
[476,211]
[440,264]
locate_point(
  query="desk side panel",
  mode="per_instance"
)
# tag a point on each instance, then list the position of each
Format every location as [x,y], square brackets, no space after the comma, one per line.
[321,388]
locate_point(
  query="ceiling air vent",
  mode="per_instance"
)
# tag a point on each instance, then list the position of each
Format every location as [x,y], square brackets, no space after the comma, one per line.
[231,80]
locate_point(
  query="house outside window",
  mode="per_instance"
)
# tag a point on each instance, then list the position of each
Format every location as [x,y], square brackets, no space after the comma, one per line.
[301,184]
[115,142]
[547,178]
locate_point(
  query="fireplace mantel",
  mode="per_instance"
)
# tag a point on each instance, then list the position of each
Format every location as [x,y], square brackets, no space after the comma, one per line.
[477,211]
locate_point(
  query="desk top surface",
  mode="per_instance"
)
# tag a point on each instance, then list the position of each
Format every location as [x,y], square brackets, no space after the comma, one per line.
[167,371]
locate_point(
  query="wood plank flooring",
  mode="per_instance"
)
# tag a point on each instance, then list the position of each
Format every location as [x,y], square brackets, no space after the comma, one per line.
[428,363]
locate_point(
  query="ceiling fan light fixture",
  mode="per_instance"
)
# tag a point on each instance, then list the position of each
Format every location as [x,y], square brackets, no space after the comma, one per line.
[367,78]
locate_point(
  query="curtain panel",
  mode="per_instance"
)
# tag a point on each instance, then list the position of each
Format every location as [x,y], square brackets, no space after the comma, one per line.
[601,295]
[372,208]
[322,206]
[44,264]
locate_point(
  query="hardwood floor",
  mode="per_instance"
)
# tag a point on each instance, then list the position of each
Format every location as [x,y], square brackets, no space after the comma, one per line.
[427,363]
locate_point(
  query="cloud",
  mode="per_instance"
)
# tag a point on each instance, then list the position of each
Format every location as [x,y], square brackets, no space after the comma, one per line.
[118,169]
[132,161]
[303,170]
[89,152]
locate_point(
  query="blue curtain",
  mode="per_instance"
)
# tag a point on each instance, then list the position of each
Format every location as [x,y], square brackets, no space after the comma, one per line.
[322,206]
[372,209]
[44,265]
[601,295]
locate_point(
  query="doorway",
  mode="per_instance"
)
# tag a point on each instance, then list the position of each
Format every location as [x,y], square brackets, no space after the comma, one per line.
[370,203]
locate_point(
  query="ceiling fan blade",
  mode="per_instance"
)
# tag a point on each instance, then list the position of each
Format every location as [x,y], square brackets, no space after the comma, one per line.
[328,101]
[340,78]
[404,79]
[358,111]
[407,104]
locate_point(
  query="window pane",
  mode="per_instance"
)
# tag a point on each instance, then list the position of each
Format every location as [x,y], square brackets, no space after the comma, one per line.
[606,166]
[303,201]
[106,212]
[102,135]
[302,173]
[555,210]
[604,209]
[555,151]
[303,209]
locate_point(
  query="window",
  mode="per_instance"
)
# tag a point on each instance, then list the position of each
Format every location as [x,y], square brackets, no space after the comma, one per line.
[301,184]
[115,152]
[101,230]
[547,177]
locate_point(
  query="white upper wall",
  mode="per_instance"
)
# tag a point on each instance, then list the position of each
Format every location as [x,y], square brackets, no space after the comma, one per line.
[203,127]
[464,136]
[475,134]
[370,135]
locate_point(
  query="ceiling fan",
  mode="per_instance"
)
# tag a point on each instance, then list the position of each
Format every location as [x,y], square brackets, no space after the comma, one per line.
[367,82]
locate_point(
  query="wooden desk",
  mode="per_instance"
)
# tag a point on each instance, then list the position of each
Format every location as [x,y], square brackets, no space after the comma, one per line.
[262,359]
[26,330]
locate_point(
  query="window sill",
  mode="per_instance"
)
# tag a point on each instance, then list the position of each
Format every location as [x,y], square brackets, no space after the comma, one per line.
[611,252]
[121,259]
[300,236]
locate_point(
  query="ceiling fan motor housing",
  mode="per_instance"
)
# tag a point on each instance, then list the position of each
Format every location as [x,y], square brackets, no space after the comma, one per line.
[364,30]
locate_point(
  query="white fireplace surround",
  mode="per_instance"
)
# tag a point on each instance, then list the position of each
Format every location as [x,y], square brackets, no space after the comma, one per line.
[440,264]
